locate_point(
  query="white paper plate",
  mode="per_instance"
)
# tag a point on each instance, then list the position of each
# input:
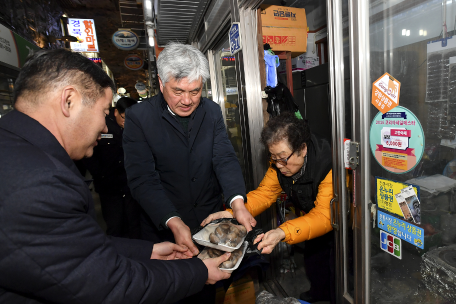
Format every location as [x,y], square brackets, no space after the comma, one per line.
[230,270]
[202,238]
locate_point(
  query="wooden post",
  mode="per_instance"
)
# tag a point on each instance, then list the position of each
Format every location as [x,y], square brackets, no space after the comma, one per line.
[287,56]
[262,64]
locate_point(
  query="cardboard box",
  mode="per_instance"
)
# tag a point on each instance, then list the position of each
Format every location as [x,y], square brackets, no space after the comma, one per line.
[282,16]
[286,39]
[240,292]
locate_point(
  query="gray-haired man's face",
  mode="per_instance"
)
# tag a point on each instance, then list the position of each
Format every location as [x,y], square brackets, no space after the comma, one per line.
[182,97]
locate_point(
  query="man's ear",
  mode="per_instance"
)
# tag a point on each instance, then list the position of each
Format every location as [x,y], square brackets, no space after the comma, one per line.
[116,112]
[68,99]
[161,84]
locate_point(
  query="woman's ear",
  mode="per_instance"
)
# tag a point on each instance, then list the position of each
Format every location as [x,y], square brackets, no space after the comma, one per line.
[303,151]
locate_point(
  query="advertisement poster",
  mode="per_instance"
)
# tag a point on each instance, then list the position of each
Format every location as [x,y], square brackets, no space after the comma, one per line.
[14,49]
[385,93]
[84,31]
[387,197]
[403,230]
[397,140]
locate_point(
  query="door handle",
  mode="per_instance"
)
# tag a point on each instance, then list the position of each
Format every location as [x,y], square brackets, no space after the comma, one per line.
[333,219]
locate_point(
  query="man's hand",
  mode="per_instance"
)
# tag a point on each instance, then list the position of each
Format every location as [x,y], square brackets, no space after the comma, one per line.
[182,236]
[214,273]
[242,215]
[269,240]
[215,216]
[168,251]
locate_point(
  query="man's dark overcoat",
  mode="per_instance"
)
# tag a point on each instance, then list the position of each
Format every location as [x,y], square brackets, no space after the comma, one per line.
[52,250]
[172,172]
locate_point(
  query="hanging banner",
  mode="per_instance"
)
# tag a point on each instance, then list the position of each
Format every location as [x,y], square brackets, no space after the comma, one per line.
[386,195]
[84,30]
[403,230]
[397,140]
[385,93]
[14,49]
[235,38]
[134,62]
[125,40]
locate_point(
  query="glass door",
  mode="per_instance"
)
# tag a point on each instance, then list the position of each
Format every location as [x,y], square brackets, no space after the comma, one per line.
[403,84]
[228,96]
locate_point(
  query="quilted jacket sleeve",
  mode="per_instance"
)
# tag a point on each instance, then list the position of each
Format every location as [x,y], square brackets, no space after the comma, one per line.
[315,223]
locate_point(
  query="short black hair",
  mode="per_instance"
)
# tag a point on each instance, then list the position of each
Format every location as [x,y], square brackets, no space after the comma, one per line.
[288,127]
[124,103]
[46,70]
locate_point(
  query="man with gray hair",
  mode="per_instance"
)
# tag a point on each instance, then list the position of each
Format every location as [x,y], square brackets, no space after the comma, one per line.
[178,157]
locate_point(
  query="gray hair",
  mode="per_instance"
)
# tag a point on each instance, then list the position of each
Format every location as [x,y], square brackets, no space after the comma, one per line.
[182,61]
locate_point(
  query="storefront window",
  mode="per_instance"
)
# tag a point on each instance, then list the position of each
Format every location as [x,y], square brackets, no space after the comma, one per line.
[413,246]
[227,71]
[6,94]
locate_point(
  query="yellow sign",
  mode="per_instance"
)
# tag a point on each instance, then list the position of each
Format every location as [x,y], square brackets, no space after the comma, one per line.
[386,190]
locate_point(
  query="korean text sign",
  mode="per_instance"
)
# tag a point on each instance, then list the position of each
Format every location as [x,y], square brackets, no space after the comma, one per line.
[385,93]
[386,190]
[397,140]
[403,230]
[84,31]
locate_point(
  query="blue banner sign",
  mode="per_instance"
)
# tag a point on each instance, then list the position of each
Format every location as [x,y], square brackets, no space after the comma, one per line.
[403,230]
[235,38]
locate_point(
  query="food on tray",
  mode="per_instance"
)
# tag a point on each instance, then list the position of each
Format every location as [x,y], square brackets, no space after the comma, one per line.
[214,253]
[228,234]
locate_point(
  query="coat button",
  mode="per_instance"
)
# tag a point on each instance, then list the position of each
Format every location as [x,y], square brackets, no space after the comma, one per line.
[120,161]
[194,179]
[299,191]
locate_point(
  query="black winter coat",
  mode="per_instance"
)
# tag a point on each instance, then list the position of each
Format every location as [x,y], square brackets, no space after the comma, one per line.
[52,250]
[173,173]
[107,162]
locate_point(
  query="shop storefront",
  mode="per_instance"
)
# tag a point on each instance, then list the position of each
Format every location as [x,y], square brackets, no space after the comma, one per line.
[13,52]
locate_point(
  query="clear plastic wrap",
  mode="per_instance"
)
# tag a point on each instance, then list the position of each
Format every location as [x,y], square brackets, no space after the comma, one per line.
[438,270]
[224,236]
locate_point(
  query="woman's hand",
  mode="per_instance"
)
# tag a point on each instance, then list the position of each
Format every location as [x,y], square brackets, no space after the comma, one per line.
[269,240]
[168,251]
[215,216]
[242,215]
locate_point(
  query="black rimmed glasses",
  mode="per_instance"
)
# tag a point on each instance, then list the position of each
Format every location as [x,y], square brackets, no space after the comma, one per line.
[282,161]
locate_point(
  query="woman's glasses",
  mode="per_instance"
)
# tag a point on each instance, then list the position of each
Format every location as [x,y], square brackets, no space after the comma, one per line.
[282,161]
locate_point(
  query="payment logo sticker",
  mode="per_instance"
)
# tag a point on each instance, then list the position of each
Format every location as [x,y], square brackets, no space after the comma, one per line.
[391,244]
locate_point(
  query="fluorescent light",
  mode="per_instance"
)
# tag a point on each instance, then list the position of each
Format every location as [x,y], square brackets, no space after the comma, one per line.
[408,33]
[404,31]
[151,41]
[425,33]
[148,4]
[421,32]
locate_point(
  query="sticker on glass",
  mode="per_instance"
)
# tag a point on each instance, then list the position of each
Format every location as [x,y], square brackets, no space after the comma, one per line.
[391,244]
[385,93]
[397,140]
[406,231]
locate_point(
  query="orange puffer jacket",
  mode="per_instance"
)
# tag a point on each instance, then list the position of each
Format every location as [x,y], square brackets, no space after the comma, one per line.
[309,226]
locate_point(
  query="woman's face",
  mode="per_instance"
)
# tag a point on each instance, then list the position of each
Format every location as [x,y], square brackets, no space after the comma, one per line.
[280,152]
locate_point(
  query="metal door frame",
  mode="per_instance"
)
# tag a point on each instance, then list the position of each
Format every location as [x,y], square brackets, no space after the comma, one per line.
[360,104]
[339,204]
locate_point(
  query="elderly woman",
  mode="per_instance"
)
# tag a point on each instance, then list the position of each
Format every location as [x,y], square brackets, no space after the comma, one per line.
[301,166]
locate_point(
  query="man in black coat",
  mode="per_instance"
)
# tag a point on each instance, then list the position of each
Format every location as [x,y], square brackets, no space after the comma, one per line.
[51,248]
[178,157]
[120,211]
